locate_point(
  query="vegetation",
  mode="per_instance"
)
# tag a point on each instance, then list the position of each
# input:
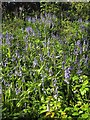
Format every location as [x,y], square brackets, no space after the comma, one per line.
[45,62]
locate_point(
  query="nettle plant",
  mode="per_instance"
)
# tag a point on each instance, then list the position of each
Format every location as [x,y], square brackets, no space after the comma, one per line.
[42,72]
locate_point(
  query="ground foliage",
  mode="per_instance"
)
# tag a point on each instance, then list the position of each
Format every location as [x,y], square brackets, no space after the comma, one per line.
[45,64]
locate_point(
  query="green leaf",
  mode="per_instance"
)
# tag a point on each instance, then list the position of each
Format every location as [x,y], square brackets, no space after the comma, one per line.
[75,114]
[80,112]
[42,111]
[86,115]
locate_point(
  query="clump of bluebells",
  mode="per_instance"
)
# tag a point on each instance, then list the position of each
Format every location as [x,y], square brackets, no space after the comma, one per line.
[39,71]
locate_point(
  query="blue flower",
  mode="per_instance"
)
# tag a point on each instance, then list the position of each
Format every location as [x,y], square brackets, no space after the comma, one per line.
[80,20]
[8,37]
[33,20]
[28,29]
[1,36]
[17,91]
[35,62]
[28,18]
[67,73]
[79,72]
